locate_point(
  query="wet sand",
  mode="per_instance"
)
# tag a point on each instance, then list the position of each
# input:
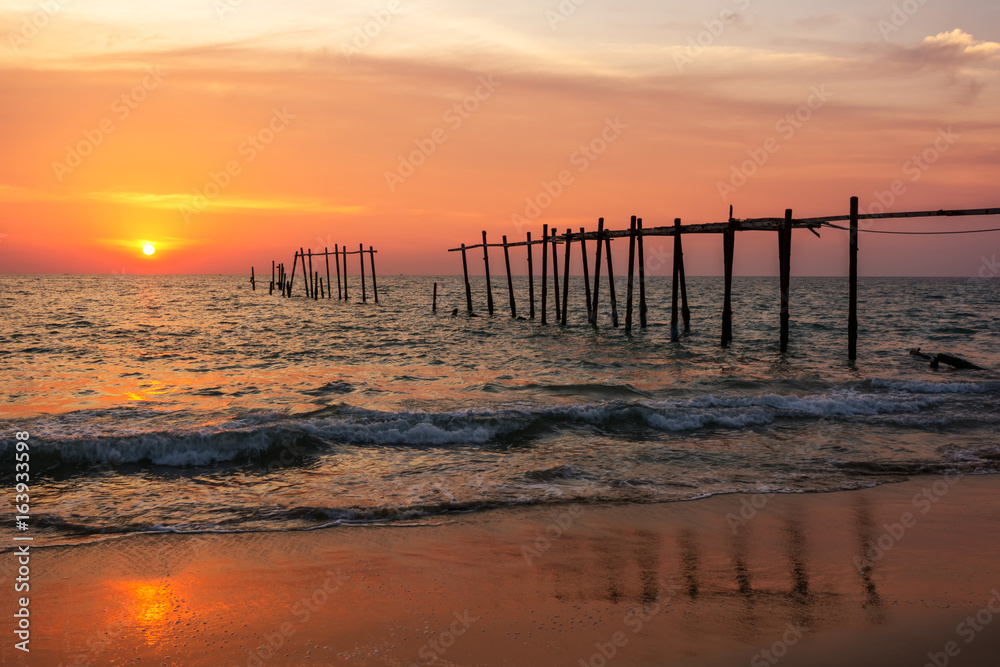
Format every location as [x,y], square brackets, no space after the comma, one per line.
[884,576]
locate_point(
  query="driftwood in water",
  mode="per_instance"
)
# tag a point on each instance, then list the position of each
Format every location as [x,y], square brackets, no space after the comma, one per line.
[951,360]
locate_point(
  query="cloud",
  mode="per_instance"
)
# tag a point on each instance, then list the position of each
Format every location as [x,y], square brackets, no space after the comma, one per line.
[948,50]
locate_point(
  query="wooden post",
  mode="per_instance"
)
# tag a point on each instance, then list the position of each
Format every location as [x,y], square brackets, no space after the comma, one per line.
[344,252]
[597,272]
[489,288]
[611,282]
[253,283]
[336,259]
[272,277]
[545,272]
[329,285]
[361,261]
[642,276]
[371,253]
[531,282]
[312,280]
[555,276]
[785,263]
[434,303]
[565,285]
[631,271]
[586,270]
[468,288]
[675,333]
[305,275]
[728,244]
[510,280]
[291,279]
[319,282]
[685,312]
[852,308]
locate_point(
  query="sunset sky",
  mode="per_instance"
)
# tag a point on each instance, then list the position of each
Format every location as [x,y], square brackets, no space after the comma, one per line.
[230,132]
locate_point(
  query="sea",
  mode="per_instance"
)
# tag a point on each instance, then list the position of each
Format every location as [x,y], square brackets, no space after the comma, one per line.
[194,404]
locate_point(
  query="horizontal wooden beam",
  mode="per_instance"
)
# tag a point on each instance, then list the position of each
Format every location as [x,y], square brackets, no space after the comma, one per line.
[752,224]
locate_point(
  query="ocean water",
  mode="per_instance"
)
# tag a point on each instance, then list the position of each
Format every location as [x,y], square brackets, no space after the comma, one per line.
[191,403]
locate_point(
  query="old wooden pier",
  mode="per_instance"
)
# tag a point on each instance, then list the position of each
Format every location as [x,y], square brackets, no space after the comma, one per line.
[680,316]
[312,280]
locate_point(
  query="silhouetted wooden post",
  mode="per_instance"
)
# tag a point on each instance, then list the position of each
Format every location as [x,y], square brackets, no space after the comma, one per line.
[675,333]
[312,278]
[336,260]
[642,276]
[305,274]
[852,308]
[545,271]
[344,253]
[434,303]
[319,281]
[489,288]
[685,312]
[555,276]
[631,271]
[291,281]
[253,283]
[361,261]
[271,291]
[611,281]
[371,253]
[785,263]
[728,245]
[597,272]
[510,280]
[531,282]
[329,285]
[468,287]
[586,269]
[565,286]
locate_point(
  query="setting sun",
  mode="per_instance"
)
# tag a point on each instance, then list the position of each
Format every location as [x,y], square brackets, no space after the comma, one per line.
[148,248]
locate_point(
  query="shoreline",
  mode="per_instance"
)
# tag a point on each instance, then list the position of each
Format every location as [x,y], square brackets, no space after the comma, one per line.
[883,575]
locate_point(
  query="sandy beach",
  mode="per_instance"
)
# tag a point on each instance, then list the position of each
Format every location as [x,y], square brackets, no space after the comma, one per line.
[882,576]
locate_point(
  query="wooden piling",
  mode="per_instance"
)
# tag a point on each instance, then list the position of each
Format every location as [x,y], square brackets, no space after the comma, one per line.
[784,261]
[631,271]
[675,334]
[555,276]
[344,253]
[272,277]
[319,283]
[611,282]
[361,261]
[434,302]
[545,272]
[597,272]
[685,311]
[489,288]
[305,275]
[329,285]
[468,287]
[291,279]
[336,260]
[253,283]
[852,308]
[642,275]
[312,280]
[510,280]
[371,254]
[565,285]
[531,282]
[728,245]
[586,269]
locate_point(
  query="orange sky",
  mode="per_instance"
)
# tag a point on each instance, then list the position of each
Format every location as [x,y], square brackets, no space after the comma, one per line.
[118,117]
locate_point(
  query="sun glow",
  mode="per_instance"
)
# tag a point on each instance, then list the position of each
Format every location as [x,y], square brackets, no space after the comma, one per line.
[148,248]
